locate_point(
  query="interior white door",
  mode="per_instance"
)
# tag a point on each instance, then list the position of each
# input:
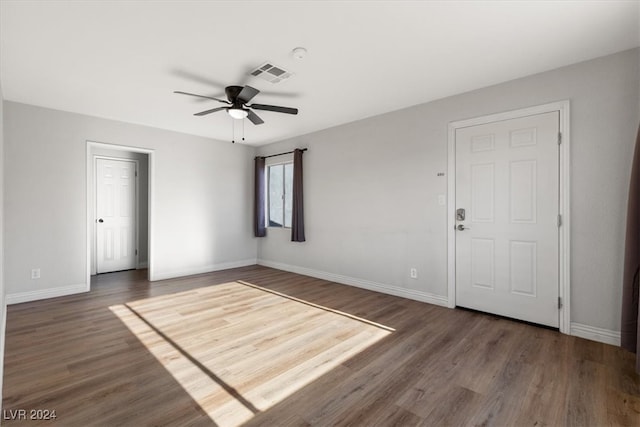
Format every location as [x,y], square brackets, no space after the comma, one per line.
[507,183]
[115,215]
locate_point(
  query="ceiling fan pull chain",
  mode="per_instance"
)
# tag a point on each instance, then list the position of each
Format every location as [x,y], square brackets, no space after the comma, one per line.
[233,132]
[243,129]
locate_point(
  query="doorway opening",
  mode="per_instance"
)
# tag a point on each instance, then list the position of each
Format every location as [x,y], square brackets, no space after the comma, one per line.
[119,183]
[482,256]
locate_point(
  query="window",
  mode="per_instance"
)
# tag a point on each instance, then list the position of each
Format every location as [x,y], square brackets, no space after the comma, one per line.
[280,200]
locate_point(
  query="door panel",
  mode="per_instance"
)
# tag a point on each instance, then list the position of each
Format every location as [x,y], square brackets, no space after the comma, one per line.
[482,263]
[522,192]
[507,248]
[116,215]
[482,192]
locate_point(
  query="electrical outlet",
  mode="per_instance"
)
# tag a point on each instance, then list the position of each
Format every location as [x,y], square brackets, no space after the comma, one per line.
[35,273]
[413,273]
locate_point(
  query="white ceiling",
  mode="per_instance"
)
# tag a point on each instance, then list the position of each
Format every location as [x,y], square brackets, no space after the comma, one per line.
[123,59]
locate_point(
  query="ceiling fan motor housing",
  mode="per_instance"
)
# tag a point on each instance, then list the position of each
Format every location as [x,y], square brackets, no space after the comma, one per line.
[232,94]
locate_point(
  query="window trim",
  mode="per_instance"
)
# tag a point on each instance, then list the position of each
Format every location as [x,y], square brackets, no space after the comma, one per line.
[268,195]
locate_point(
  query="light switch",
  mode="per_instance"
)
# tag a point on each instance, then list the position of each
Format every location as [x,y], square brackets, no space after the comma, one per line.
[442,200]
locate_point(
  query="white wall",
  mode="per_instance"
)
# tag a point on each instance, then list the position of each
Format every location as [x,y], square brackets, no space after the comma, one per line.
[371,187]
[3,306]
[202,201]
[142,196]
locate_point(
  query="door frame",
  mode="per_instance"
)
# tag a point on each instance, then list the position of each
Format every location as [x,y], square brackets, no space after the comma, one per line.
[95,205]
[90,205]
[564,285]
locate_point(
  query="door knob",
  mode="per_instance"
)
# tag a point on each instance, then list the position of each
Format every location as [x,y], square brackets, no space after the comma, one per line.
[461,227]
[101,220]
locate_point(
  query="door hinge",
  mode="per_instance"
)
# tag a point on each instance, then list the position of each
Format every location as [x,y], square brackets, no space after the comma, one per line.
[136,173]
[136,252]
[559,220]
[559,303]
[559,138]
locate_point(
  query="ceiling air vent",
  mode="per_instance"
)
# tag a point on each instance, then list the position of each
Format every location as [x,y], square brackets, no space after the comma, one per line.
[271,73]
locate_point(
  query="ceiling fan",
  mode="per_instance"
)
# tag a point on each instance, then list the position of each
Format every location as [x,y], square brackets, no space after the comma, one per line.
[237,104]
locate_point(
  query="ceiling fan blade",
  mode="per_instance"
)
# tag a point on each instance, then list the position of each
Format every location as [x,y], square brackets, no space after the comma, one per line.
[198,78]
[280,94]
[201,96]
[275,108]
[247,93]
[254,118]
[213,110]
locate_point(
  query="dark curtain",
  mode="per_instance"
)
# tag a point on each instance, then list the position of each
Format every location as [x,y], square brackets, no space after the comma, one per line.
[260,229]
[630,336]
[297,216]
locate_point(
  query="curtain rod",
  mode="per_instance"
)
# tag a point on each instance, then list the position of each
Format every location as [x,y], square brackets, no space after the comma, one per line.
[279,154]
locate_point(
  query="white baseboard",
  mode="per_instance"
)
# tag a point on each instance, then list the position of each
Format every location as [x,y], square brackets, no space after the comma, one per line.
[199,270]
[3,329]
[592,333]
[360,283]
[19,297]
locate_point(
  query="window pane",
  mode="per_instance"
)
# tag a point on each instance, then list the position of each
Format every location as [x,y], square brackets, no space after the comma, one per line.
[276,208]
[288,193]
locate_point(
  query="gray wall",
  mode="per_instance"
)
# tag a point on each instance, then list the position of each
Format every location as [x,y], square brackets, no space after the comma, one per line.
[371,186]
[201,204]
[142,196]
[3,306]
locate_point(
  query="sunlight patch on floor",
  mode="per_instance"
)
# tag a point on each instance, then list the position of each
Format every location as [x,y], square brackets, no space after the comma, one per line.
[238,349]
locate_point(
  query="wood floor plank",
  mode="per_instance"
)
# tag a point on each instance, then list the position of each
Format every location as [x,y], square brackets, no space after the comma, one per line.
[256,346]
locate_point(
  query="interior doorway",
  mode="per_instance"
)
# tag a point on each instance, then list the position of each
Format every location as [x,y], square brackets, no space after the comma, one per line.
[118,193]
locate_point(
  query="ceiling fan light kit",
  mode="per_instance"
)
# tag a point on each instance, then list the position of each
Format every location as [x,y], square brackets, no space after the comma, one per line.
[237,113]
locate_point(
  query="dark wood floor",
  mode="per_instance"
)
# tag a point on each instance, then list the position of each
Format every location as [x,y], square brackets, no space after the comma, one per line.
[257,346]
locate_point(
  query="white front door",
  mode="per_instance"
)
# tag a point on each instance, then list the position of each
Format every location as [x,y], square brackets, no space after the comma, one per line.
[507,200]
[115,215]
